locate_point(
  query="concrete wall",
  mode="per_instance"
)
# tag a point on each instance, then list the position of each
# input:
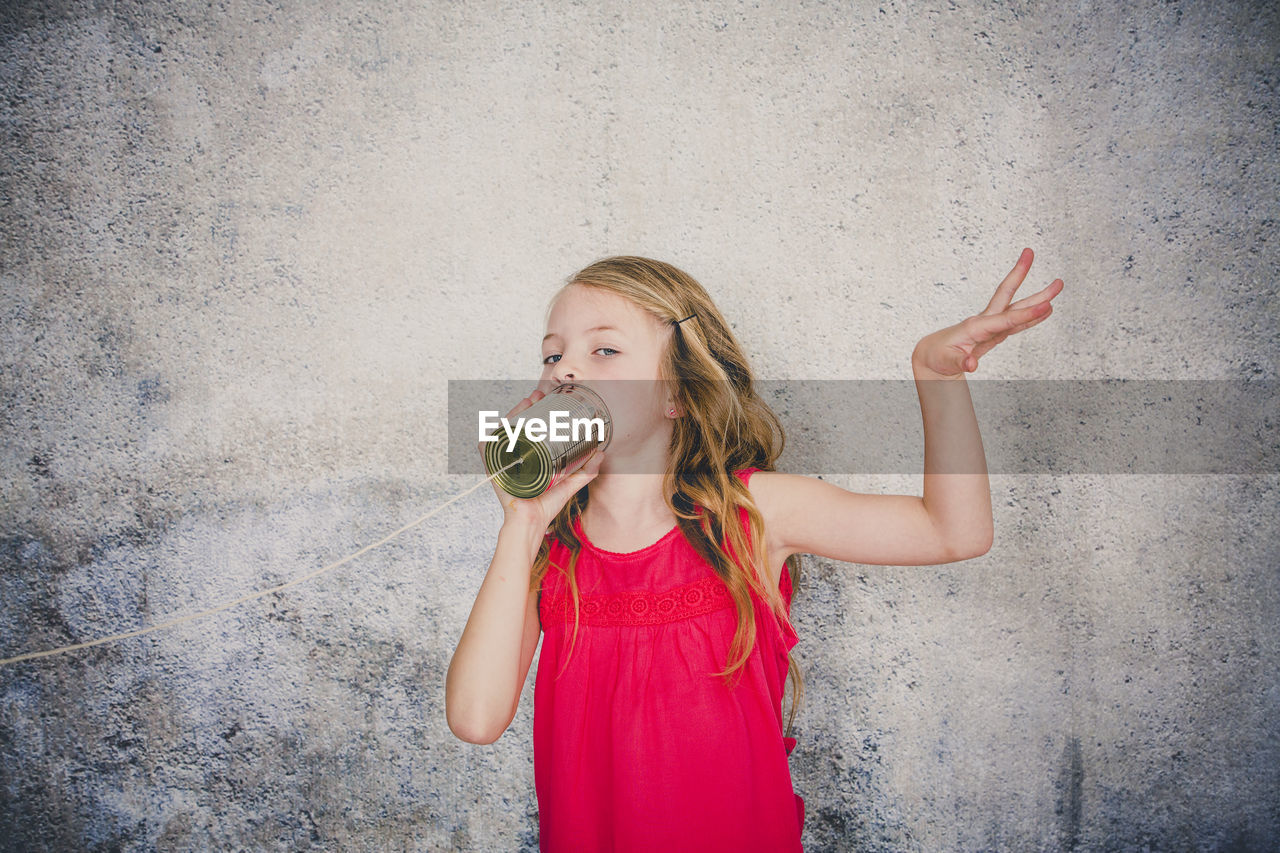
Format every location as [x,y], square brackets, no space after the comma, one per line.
[246,244]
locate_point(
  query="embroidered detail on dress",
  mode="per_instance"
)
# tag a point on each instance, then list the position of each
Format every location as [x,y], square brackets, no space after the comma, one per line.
[642,608]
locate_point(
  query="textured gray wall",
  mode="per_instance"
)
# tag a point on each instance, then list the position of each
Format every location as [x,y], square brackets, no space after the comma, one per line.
[245,246]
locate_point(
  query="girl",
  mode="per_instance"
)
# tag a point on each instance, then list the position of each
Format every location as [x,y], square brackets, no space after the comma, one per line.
[658,700]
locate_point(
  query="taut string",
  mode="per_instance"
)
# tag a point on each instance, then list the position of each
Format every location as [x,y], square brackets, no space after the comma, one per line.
[190,617]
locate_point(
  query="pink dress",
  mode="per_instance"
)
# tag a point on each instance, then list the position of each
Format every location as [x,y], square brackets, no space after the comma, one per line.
[637,746]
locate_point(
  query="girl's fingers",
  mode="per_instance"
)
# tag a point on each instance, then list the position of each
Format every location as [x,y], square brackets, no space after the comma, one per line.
[1008,330]
[1010,320]
[987,346]
[1040,297]
[592,466]
[526,403]
[985,332]
[983,347]
[1004,293]
[1034,311]
[981,333]
[1036,321]
[558,495]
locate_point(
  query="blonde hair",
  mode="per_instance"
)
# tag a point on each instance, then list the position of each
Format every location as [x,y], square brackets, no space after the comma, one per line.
[713,386]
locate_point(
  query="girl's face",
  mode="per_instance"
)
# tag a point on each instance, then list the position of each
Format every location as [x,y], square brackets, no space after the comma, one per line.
[595,337]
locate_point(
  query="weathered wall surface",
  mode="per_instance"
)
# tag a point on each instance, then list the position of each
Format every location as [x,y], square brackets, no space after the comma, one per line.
[246,244]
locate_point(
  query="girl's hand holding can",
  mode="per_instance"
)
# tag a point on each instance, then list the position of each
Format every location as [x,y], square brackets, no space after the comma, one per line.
[537,513]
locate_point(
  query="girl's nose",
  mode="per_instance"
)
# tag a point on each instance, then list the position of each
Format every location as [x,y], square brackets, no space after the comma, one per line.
[565,372]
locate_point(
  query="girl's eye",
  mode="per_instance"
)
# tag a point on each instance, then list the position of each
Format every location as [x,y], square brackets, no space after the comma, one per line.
[610,353]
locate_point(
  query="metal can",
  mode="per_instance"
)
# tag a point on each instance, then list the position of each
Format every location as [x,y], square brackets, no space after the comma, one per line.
[543,463]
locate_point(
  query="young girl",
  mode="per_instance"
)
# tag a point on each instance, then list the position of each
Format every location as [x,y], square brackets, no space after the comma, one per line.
[658,700]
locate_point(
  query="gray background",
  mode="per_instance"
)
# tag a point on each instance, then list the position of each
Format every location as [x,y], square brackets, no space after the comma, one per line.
[246,245]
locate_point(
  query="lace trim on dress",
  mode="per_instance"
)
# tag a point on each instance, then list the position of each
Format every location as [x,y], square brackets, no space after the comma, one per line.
[642,608]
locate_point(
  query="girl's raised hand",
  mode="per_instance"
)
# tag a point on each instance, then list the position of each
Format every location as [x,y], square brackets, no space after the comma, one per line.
[539,512]
[955,350]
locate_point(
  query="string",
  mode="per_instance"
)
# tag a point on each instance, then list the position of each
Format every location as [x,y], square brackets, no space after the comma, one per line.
[191,617]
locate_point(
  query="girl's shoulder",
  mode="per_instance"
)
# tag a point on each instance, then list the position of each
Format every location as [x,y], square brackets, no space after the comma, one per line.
[767,490]
[764,488]
[775,494]
[752,478]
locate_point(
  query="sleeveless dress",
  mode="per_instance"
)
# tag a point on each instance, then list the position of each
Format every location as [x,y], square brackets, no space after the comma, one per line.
[637,745]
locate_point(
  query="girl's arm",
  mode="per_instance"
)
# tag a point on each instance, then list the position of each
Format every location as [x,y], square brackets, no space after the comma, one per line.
[491,662]
[957,493]
[953,520]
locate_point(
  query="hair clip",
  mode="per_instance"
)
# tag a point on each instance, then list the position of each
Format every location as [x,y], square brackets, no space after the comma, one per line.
[678,322]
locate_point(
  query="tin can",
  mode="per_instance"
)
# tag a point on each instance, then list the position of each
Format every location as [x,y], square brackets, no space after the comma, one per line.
[543,463]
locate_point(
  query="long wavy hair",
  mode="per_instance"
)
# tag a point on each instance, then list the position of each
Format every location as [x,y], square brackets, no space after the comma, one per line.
[726,426]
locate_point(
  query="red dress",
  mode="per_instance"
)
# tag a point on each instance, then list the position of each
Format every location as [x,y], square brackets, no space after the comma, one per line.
[637,746]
